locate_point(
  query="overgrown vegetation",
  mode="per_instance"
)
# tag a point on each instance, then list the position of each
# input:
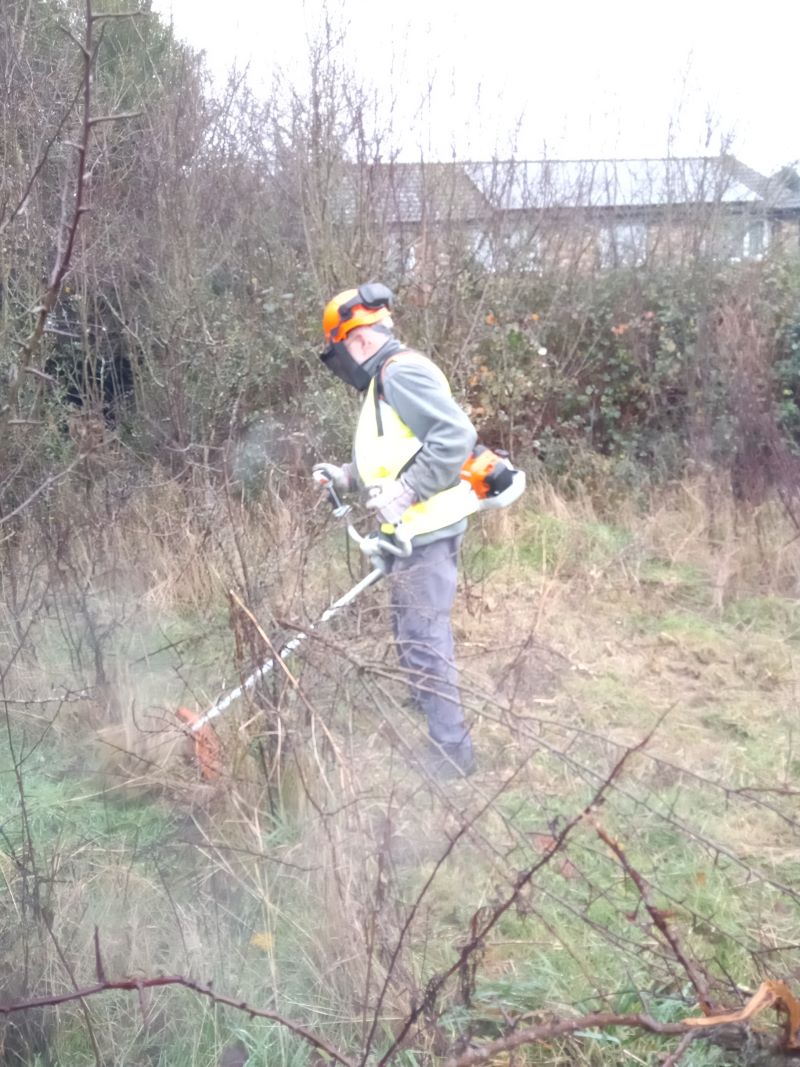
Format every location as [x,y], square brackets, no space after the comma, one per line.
[214,225]
[301,885]
[627,637]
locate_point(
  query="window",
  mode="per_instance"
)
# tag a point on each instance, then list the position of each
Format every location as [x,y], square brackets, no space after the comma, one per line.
[745,238]
[522,250]
[623,244]
[754,239]
[401,257]
[513,252]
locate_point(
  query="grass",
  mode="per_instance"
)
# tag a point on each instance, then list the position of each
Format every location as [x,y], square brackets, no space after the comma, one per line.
[765,614]
[288,889]
[551,544]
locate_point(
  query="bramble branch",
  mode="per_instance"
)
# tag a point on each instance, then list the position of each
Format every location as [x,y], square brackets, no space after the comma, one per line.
[138,985]
[412,913]
[480,932]
[769,994]
[696,977]
[532,1035]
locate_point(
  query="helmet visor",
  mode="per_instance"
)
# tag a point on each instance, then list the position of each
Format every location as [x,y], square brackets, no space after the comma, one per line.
[339,362]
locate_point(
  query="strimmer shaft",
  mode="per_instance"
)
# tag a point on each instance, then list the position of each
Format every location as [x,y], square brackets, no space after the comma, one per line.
[225,702]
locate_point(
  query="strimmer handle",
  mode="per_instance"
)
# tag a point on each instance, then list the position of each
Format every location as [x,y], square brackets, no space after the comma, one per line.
[392,540]
[340,509]
[395,540]
[383,543]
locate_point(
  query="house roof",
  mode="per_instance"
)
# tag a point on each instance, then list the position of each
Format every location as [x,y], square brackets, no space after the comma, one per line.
[414,192]
[774,191]
[398,194]
[621,183]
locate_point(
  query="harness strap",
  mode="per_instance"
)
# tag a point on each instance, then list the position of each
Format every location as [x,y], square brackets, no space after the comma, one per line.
[382,370]
[378,396]
[378,393]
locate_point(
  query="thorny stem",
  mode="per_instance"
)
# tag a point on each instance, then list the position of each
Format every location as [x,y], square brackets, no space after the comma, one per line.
[139,984]
[561,1028]
[463,829]
[696,977]
[523,880]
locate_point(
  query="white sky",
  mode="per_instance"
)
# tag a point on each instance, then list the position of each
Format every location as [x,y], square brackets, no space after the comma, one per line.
[570,79]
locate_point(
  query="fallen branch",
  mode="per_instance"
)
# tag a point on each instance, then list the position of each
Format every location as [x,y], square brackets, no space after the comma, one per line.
[531,1035]
[770,994]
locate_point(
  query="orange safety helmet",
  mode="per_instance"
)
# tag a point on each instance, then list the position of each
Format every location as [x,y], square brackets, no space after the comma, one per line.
[364,306]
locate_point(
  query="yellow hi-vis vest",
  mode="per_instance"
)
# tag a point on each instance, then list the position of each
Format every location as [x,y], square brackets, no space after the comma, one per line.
[384,447]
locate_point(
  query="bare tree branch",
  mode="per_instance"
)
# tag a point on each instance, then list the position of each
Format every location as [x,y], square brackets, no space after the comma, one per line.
[40,374]
[52,480]
[118,15]
[679,1051]
[20,206]
[70,225]
[115,118]
[78,43]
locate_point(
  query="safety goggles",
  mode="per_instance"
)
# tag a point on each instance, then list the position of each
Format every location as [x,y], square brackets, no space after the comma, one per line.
[371,296]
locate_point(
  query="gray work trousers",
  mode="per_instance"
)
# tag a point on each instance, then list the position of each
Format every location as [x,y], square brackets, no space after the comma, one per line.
[422,591]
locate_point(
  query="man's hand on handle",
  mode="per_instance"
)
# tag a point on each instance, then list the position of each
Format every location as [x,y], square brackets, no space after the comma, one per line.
[341,478]
[390,500]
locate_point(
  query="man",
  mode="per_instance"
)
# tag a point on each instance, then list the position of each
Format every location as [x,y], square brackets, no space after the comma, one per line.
[411,441]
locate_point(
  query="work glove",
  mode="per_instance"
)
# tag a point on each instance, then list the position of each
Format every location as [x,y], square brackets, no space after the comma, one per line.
[343,479]
[390,500]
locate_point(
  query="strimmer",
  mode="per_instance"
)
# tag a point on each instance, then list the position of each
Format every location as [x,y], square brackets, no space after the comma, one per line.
[376,547]
[493,483]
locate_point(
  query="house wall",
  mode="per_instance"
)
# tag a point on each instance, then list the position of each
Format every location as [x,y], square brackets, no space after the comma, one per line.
[419,224]
[583,242]
[785,234]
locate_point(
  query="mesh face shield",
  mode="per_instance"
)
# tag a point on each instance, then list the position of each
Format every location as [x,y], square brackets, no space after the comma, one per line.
[339,362]
[369,305]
